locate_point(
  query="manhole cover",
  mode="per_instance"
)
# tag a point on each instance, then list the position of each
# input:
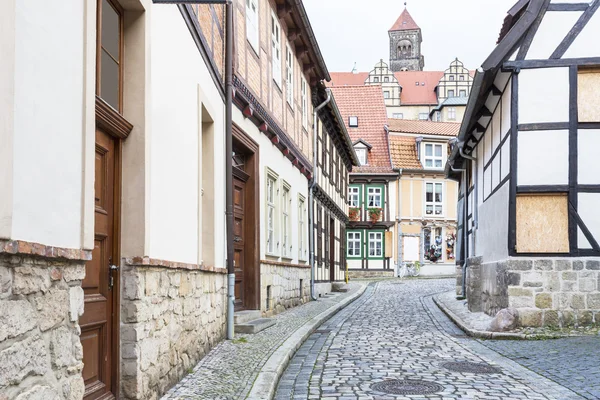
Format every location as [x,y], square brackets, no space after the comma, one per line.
[407,387]
[471,367]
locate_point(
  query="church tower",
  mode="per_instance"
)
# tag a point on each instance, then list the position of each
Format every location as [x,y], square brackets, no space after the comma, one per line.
[405,44]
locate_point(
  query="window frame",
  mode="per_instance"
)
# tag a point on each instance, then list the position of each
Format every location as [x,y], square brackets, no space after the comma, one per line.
[381,194]
[286,221]
[434,203]
[451,93]
[255,22]
[289,75]
[302,251]
[360,234]
[386,94]
[276,58]
[304,100]
[426,115]
[362,150]
[271,206]
[100,49]
[395,115]
[358,193]
[451,113]
[462,93]
[368,244]
[352,124]
[433,157]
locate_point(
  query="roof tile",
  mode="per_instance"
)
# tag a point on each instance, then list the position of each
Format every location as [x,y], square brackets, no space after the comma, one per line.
[424,127]
[404,152]
[404,22]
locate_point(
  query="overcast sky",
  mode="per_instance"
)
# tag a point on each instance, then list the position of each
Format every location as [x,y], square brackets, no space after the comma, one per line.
[350,31]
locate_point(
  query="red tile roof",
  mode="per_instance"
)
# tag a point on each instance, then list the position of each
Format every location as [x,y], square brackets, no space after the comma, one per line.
[404,152]
[404,22]
[424,93]
[366,103]
[348,78]
[424,127]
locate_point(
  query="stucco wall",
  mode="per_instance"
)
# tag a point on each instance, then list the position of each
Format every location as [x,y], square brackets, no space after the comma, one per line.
[492,232]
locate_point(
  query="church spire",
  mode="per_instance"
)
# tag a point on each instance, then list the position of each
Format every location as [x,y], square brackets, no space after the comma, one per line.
[405,22]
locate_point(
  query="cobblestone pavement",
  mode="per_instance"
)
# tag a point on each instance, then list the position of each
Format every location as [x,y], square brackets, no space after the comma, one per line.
[394,331]
[229,370]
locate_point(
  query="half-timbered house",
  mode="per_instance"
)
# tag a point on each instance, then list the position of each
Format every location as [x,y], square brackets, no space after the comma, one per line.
[368,237]
[530,182]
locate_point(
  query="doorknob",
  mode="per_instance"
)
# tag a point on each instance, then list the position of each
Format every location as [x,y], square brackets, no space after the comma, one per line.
[111,279]
[113,268]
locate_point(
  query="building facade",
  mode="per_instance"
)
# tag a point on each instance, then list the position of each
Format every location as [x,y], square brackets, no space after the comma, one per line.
[369,245]
[425,208]
[528,226]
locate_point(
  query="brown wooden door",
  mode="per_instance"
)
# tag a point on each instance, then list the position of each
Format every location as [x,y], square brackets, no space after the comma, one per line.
[239,228]
[101,300]
[332,250]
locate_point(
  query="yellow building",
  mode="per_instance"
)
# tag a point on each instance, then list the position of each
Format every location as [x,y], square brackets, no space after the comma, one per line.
[425,206]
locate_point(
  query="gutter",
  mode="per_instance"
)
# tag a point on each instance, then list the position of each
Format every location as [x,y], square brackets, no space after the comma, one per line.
[311,194]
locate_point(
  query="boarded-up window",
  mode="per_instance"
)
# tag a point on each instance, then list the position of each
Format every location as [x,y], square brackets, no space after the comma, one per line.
[588,94]
[542,223]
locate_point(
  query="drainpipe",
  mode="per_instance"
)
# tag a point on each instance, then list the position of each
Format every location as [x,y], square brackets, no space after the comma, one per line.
[463,172]
[229,166]
[475,197]
[311,186]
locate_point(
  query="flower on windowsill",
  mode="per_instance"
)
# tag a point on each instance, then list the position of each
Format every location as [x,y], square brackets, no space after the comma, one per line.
[374,214]
[354,213]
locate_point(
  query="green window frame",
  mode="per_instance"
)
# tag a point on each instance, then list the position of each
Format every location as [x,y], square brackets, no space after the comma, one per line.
[351,235]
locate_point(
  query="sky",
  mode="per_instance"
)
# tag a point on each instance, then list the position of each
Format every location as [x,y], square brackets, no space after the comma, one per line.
[350,31]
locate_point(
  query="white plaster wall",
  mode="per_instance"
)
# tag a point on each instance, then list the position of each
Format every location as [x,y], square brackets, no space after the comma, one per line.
[271,157]
[505,108]
[544,95]
[48,122]
[589,168]
[543,158]
[505,159]
[586,43]
[495,172]
[487,182]
[550,34]
[492,234]
[587,207]
[177,72]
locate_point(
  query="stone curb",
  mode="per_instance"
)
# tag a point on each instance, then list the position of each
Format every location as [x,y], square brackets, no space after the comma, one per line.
[266,382]
[475,333]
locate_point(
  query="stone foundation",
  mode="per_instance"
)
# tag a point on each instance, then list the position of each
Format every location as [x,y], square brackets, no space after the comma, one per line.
[365,273]
[546,292]
[280,287]
[170,318]
[41,300]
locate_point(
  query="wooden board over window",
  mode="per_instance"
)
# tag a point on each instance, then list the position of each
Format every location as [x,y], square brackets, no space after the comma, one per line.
[588,94]
[543,223]
[389,240]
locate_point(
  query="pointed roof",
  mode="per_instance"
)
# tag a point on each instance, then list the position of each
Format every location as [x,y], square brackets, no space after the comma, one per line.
[405,22]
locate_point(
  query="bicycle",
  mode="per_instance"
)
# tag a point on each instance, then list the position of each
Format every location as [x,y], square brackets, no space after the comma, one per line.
[410,269]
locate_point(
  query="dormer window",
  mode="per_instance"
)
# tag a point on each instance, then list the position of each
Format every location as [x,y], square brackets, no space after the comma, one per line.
[433,157]
[386,78]
[450,93]
[353,122]
[376,79]
[451,77]
[461,78]
[361,153]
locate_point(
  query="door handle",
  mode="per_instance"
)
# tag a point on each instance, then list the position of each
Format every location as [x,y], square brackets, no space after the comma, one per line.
[237,239]
[111,279]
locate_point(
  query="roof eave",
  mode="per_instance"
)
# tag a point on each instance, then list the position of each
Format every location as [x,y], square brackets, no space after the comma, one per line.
[324,72]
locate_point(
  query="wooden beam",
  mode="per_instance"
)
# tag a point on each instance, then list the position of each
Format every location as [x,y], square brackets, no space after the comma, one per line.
[264,127]
[576,30]
[293,34]
[285,151]
[283,10]
[568,6]
[552,63]
[275,139]
[496,91]
[248,111]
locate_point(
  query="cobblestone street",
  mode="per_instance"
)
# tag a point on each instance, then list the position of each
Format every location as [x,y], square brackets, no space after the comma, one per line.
[395,332]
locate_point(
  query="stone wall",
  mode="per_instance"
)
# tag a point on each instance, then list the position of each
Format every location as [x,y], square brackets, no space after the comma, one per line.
[546,292]
[280,287]
[170,318]
[41,300]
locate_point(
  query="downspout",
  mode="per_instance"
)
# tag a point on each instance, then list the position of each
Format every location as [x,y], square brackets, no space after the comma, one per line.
[311,186]
[463,172]
[229,166]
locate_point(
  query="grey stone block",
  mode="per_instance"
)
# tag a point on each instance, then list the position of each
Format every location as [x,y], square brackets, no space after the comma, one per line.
[255,326]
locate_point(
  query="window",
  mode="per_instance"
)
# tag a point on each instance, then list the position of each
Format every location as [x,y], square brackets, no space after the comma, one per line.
[423,116]
[433,198]
[374,195]
[450,93]
[433,155]
[301,213]
[462,93]
[362,156]
[438,116]
[353,122]
[451,77]
[386,78]
[461,77]
[285,222]
[354,239]
[252,32]
[304,88]
[109,75]
[451,113]
[289,76]
[386,94]
[416,83]
[271,208]
[376,79]
[398,115]
[276,49]
[354,196]
[375,244]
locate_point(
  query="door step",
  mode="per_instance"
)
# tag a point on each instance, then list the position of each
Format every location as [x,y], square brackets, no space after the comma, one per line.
[241,317]
[254,326]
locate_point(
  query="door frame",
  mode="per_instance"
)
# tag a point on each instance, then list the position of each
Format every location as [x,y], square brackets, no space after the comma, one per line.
[251,283]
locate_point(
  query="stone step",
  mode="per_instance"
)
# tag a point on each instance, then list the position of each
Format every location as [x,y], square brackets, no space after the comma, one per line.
[241,317]
[340,287]
[254,326]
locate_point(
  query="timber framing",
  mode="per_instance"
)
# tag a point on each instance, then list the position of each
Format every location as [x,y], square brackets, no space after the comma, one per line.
[328,203]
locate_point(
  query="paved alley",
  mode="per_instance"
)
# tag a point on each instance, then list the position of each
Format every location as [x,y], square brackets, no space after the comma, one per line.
[395,332]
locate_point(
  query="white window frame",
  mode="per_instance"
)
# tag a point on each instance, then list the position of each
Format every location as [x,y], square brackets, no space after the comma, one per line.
[374,238]
[451,93]
[423,116]
[353,121]
[398,115]
[271,196]
[276,49]
[354,194]
[252,30]
[361,153]
[434,204]
[289,83]
[451,114]
[386,94]
[356,238]
[302,253]
[372,191]
[304,90]
[286,221]
[433,158]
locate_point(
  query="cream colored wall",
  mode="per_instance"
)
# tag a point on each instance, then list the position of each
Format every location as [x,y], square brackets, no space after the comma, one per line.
[410,112]
[460,113]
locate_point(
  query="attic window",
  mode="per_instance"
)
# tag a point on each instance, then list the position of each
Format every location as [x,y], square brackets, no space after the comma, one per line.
[461,78]
[416,83]
[353,122]
[422,83]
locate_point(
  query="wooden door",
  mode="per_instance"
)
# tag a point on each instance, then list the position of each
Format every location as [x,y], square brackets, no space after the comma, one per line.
[101,295]
[332,250]
[239,241]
